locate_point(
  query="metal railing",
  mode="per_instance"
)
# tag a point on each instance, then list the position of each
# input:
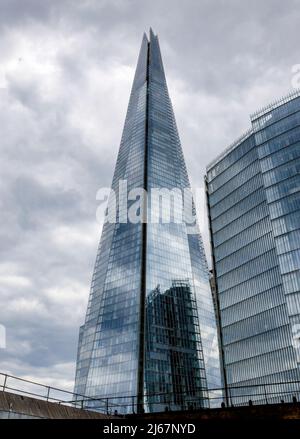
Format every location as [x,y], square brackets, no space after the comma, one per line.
[22,386]
[254,394]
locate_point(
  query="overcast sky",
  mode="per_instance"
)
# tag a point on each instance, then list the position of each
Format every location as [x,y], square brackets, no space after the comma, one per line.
[66,69]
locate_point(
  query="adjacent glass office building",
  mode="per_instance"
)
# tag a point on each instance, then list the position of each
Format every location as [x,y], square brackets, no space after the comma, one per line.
[150,327]
[253,193]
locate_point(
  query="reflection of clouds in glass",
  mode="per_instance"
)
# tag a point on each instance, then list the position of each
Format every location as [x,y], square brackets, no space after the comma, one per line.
[119,272]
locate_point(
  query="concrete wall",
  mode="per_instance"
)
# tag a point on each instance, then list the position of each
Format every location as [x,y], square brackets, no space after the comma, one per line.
[256,412]
[19,406]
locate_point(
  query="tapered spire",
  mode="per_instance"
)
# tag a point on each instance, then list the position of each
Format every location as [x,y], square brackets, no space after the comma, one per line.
[141,68]
[148,276]
[155,58]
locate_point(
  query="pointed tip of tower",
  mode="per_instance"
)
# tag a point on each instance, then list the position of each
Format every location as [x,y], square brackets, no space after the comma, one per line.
[152,35]
[145,37]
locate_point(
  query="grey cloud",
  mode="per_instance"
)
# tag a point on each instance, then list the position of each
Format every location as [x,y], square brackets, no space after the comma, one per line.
[33,201]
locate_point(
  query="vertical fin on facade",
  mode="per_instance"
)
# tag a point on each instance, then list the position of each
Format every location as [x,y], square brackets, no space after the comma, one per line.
[156,64]
[141,69]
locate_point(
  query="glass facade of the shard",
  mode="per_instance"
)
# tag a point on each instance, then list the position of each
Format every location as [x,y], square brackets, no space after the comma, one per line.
[253,194]
[150,328]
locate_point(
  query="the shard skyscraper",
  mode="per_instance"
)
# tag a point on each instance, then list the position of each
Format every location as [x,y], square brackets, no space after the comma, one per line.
[150,329]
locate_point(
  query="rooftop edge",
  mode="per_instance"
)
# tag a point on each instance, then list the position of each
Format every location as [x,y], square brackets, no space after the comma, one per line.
[230,148]
[275,104]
